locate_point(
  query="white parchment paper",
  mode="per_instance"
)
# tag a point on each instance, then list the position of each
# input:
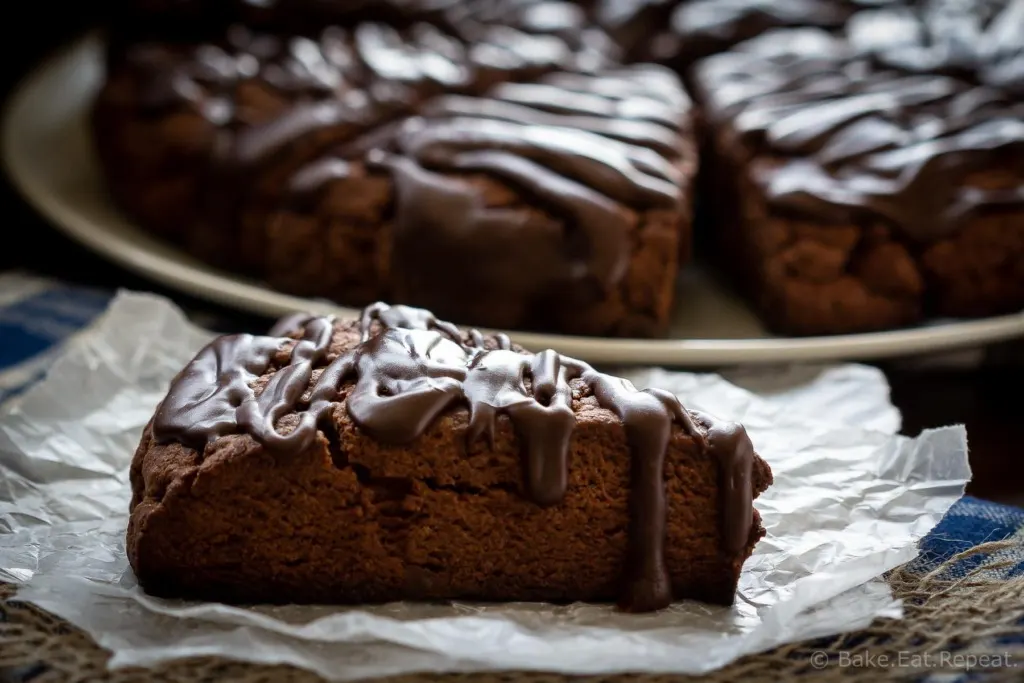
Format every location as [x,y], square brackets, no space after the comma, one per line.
[850,501]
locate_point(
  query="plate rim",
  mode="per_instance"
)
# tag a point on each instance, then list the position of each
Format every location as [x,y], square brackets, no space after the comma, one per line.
[204,282]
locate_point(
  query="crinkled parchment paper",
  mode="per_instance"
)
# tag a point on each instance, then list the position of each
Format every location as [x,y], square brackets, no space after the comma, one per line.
[850,501]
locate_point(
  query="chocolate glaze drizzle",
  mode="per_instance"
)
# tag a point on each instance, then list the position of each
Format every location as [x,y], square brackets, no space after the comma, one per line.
[897,121]
[409,368]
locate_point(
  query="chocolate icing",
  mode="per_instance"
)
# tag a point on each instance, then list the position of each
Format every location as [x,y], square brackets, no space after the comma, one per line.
[409,368]
[897,121]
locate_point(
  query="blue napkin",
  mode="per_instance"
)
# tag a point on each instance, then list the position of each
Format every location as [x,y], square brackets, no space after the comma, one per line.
[36,317]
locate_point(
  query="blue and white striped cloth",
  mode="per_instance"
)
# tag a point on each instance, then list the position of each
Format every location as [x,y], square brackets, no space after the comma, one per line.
[38,316]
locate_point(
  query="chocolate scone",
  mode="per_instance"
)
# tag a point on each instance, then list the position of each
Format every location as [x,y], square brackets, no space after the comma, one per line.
[485,159]
[867,179]
[400,458]
[558,204]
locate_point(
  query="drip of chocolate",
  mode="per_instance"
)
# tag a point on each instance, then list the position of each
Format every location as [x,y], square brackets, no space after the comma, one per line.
[590,151]
[910,120]
[410,368]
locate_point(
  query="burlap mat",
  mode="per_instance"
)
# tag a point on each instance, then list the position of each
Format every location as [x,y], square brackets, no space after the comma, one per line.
[949,624]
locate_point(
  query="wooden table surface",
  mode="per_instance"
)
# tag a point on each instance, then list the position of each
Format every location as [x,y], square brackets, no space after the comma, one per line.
[987,398]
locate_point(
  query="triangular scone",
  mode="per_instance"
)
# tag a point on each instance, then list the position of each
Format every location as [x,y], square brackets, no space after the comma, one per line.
[399,458]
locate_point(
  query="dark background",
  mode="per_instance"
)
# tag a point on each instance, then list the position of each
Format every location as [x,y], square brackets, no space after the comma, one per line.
[28,241]
[987,397]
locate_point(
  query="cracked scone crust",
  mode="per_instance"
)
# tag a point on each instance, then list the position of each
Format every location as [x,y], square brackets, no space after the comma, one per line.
[352,520]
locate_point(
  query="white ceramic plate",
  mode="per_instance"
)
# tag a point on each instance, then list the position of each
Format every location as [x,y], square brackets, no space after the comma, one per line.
[49,156]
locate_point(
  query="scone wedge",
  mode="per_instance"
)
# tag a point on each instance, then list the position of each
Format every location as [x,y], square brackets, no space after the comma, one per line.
[398,457]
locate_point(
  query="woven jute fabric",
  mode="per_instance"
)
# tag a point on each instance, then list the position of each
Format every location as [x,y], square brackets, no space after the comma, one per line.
[950,625]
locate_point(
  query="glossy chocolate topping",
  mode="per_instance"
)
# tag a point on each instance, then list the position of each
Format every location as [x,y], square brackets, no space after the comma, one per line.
[410,368]
[914,118]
